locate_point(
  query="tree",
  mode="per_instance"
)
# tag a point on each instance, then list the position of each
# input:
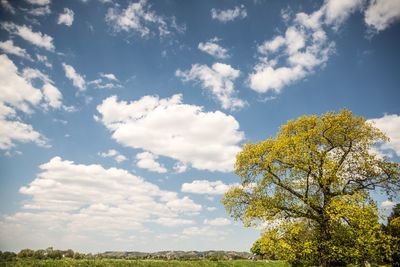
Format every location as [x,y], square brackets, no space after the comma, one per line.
[393,225]
[317,171]
[393,230]
[40,254]
[26,253]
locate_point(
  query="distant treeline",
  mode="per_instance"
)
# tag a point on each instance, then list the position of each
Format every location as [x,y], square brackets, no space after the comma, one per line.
[50,253]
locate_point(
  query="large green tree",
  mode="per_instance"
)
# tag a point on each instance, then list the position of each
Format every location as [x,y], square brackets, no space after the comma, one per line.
[316,174]
[393,230]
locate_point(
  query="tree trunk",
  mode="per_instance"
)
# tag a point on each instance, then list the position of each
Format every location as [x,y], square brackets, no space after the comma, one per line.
[323,247]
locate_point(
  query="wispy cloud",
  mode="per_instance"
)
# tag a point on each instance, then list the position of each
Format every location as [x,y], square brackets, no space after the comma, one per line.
[238,12]
[218,80]
[25,32]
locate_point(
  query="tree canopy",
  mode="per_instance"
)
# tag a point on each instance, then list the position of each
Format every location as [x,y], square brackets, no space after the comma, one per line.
[316,174]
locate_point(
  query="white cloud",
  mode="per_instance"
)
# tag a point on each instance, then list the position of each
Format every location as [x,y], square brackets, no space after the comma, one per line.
[18,94]
[148,161]
[180,167]
[52,95]
[390,125]
[302,49]
[167,127]
[75,200]
[109,76]
[206,232]
[9,48]
[40,11]
[7,6]
[107,81]
[387,204]
[289,58]
[112,153]
[212,48]
[238,12]
[25,32]
[217,222]
[337,11]
[66,18]
[184,204]
[44,60]
[218,80]
[211,208]
[173,221]
[380,14]
[205,187]
[11,131]
[16,91]
[77,79]
[38,2]
[138,17]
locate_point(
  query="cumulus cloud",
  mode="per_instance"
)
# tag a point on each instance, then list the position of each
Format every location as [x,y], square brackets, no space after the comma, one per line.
[218,80]
[148,161]
[25,32]
[390,125]
[217,222]
[212,48]
[303,48]
[291,57]
[18,94]
[66,18]
[139,18]
[112,153]
[238,12]
[10,48]
[167,127]
[205,187]
[88,200]
[380,14]
[77,79]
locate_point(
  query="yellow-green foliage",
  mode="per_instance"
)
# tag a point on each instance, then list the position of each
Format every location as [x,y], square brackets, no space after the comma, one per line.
[317,171]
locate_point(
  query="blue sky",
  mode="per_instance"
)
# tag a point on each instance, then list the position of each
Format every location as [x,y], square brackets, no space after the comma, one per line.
[120,122]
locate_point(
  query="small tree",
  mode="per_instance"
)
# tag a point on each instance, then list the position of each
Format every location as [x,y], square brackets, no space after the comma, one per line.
[40,254]
[317,171]
[26,253]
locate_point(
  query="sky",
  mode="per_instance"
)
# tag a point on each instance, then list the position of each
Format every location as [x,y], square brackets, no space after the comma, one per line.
[120,120]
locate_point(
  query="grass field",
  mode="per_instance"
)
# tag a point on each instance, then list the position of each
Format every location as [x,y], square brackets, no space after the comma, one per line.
[144,263]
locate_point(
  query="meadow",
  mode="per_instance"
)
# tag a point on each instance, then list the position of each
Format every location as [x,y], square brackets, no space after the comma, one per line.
[142,263]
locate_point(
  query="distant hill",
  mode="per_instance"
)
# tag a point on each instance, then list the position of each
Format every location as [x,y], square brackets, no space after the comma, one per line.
[178,255]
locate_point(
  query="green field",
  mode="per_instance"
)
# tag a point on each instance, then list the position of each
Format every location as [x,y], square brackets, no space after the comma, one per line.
[144,263]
